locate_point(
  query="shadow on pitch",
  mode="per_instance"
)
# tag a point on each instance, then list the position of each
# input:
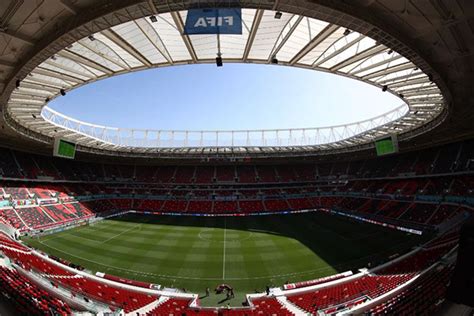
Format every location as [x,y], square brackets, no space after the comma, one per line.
[342,243]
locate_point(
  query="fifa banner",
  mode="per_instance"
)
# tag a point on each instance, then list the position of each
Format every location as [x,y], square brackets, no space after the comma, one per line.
[213,21]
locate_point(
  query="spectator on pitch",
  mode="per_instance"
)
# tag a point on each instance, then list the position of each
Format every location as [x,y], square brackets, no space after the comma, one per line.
[208,292]
[267,290]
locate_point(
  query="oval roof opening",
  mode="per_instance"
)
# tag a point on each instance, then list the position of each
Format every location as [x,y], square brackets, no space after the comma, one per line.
[233,97]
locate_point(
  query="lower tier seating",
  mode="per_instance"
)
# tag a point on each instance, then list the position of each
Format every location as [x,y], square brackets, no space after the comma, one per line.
[422,297]
[367,286]
[27,297]
[261,307]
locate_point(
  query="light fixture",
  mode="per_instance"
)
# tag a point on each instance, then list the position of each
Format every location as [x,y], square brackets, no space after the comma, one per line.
[390,51]
[63,92]
[274,60]
[219,62]
[17,83]
[153,19]
[278,15]
[91,37]
[347,32]
[384,88]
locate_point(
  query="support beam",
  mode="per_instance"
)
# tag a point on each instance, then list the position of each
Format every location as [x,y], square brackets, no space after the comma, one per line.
[338,51]
[187,41]
[67,4]
[87,73]
[152,6]
[40,85]
[253,32]
[368,53]
[16,35]
[406,83]
[389,70]
[118,62]
[321,36]
[275,50]
[372,66]
[117,39]
[142,24]
[7,63]
[55,74]
[404,77]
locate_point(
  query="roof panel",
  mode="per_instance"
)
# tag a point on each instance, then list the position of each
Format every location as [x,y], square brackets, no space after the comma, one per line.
[306,30]
[268,33]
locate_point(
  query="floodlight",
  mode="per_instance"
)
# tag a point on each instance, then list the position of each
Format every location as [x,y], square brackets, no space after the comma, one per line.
[219,62]
[278,15]
[347,32]
[384,88]
[153,19]
[63,92]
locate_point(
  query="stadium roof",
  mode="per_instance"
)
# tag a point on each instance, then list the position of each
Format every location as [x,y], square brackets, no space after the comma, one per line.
[116,40]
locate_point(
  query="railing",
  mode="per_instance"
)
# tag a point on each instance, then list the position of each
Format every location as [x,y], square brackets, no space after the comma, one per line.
[148,138]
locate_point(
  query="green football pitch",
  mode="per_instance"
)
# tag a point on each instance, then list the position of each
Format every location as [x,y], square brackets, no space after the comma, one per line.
[248,253]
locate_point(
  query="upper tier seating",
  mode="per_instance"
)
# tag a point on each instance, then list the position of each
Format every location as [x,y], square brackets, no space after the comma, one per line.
[12,218]
[34,216]
[439,160]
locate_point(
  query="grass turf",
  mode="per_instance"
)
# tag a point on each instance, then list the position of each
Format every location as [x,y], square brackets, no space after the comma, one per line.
[245,252]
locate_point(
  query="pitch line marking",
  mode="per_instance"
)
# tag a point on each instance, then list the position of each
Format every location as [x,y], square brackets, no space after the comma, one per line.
[119,234]
[202,235]
[223,260]
[174,277]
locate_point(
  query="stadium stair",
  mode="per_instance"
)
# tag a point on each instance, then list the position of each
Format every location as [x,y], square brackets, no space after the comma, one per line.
[292,308]
[145,310]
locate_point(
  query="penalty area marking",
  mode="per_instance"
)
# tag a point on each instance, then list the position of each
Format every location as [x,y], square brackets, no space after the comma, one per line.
[88,239]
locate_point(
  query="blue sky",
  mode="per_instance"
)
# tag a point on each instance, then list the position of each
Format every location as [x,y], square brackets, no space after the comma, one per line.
[236,96]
